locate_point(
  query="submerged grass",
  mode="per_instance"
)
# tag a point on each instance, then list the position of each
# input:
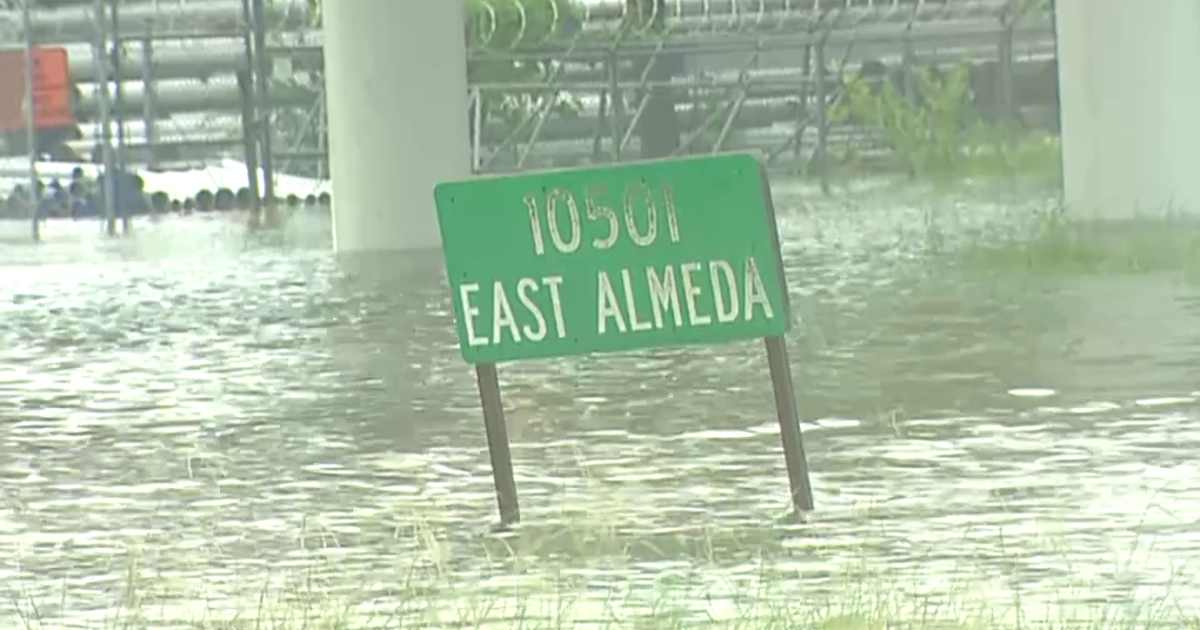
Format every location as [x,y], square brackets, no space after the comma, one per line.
[872,604]
[533,587]
[592,566]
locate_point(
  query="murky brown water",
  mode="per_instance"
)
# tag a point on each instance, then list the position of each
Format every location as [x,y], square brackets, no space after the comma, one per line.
[213,414]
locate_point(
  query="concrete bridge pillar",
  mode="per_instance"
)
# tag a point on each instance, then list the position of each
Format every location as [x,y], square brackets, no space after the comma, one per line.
[1129,86]
[396,90]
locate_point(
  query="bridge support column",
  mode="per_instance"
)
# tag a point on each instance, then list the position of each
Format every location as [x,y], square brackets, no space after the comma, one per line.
[1129,90]
[396,92]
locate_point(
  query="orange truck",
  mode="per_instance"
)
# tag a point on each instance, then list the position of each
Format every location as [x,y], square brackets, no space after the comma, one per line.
[53,106]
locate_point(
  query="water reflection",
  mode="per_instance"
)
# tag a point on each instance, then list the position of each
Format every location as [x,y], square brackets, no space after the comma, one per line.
[1132,335]
[209,410]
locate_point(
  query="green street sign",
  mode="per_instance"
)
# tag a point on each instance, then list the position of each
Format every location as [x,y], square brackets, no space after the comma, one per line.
[612,259]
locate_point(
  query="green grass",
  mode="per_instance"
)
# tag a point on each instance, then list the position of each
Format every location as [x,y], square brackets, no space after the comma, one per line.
[1055,242]
[940,136]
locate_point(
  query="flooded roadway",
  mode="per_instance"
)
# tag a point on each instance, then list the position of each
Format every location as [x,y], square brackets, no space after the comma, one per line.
[191,418]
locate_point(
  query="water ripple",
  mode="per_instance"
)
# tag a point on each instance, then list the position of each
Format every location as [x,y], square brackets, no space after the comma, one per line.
[208,411]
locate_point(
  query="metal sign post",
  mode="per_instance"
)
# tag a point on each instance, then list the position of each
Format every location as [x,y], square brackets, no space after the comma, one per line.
[35,196]
[102,77]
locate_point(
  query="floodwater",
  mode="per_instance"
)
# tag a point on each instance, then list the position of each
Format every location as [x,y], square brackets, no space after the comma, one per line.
[193,421]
